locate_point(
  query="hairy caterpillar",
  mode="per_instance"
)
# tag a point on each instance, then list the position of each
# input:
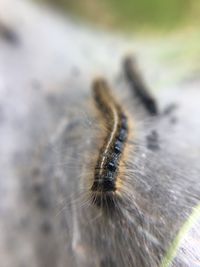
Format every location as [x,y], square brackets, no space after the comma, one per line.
[105,177]
[50,148]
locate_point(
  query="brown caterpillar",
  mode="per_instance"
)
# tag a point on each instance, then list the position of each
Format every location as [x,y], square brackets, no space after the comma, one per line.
[106,169]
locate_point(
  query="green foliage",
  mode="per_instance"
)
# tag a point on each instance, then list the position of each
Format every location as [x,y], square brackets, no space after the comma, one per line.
[135,14]
[150,13]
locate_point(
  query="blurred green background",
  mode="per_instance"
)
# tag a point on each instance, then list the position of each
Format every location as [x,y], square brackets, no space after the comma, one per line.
[137,15]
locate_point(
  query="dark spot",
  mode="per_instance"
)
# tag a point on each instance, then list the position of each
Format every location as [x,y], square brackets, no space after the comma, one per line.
[42,202]
[37,188]
[118,147]
[169,109]
[70,129]
[112,166]
[122,135]
[9,35]
[150,104]
[36,172]
[104,183]
[173,120]
[108,185]
[124,122]
[46,228]
[42,198]
[152,141]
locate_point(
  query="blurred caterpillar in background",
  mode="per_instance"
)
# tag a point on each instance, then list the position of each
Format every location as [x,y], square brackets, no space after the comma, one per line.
[95,172]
